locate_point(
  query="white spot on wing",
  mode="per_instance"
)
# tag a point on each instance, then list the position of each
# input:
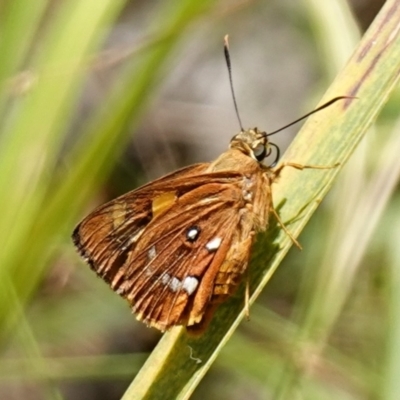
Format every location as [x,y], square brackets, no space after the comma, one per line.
[152,253]
[190,284]
[193,233]
[213,244]
[175,284]
[165,278]
[247,195]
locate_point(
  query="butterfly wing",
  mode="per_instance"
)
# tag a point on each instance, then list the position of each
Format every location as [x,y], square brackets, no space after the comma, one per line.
[106,234]
[171,248]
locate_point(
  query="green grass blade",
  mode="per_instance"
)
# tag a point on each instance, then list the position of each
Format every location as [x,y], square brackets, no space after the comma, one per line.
[391,387]
[34,131]
[19,22]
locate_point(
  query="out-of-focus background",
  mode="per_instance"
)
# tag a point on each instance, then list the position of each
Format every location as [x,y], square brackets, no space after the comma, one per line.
[98,97]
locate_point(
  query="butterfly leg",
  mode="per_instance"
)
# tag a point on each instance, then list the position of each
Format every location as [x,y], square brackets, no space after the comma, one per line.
[247,299]
[277,172]
[244,261]
[279,169]
[280,222]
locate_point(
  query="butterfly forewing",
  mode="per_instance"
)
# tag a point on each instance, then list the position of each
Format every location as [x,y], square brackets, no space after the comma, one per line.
[105,236]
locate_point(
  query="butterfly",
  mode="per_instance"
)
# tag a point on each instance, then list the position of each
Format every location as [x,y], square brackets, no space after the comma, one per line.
[178,246]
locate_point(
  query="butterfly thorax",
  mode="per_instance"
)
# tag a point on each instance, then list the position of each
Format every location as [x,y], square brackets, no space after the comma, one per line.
[245,154]
[253,143]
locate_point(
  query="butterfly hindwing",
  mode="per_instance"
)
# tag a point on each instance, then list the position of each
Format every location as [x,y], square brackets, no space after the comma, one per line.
[178,258]
[162,251]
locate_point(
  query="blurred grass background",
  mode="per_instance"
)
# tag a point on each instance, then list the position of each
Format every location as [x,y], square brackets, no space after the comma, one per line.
[100,96]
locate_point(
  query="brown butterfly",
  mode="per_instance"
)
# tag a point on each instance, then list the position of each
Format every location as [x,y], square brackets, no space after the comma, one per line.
[178,246]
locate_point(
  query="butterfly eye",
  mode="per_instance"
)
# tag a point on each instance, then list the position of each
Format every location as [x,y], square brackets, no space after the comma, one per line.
[193,233]
[259,152]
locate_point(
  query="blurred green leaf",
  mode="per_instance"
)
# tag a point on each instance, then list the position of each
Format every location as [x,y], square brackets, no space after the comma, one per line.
[39,191]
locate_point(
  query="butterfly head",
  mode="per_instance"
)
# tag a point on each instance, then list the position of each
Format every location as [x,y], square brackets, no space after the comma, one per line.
[254,143]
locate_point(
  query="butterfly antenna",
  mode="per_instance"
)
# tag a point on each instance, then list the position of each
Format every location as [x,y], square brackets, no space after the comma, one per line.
[327,104]
[229,65]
